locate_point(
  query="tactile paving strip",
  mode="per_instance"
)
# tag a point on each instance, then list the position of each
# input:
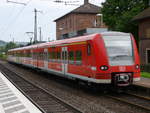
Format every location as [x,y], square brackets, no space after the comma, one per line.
[9,101]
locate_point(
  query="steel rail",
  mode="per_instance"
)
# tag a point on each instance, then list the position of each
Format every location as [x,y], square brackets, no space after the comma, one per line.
[138,96]
[63,102]
[128,102]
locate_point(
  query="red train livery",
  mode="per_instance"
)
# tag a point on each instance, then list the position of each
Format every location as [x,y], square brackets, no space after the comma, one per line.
[106,58]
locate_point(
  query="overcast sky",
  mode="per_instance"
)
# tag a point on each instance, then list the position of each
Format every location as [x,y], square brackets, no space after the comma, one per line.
[16,20]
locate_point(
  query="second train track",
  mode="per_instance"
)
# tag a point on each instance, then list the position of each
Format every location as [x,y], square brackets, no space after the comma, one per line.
[132,99]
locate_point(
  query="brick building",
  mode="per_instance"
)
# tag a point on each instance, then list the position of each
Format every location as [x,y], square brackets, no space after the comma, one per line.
[83,20]
[143,19]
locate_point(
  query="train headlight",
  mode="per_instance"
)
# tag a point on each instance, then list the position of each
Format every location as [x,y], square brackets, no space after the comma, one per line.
[104,68]
[137,66]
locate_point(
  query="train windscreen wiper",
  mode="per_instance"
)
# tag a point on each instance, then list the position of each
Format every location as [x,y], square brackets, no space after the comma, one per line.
[117,56]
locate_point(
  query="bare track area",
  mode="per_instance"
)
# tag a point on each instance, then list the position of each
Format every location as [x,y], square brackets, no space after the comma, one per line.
[72,93]
[135,100]
[46,101]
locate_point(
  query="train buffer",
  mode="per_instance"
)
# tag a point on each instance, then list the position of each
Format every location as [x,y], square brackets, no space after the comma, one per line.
[12,100]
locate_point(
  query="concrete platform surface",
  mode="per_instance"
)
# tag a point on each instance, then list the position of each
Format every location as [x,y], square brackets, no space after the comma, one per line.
[12,100]
[145,82]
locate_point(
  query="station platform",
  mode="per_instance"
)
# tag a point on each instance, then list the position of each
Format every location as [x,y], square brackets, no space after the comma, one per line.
[144,82]
[12,100]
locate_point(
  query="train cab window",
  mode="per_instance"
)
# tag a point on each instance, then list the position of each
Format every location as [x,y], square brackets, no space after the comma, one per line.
[78,57]
[88,49]
[71,57]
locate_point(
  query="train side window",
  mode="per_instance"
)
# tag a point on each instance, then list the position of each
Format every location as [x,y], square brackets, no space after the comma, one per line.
[63,54]
[58,56]
[88,49]
[28,54]
[40,56]
[49,56]
[35,56]
[71,57]
[78,57]
[53,56]
[45,56]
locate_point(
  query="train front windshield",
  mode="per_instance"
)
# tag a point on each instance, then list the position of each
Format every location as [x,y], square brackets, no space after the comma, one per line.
[119,50]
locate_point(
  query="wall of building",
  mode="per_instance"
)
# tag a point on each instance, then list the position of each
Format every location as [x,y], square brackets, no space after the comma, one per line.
[76,22]
[144,36]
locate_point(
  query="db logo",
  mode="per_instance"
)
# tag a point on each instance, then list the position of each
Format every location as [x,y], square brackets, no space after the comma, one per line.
[122,68]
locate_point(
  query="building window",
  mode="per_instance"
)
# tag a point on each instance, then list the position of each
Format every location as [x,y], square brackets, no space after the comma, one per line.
[148,55]
[148,33]
[65,36]
[81,32]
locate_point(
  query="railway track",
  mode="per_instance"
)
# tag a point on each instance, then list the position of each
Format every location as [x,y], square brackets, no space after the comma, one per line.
[135,100]
[44,100]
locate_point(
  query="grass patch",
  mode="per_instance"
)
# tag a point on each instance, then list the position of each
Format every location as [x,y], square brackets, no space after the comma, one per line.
[3,57]
[145,74]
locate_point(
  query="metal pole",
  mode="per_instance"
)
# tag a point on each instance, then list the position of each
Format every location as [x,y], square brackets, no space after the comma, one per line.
[35,26]
[40,34]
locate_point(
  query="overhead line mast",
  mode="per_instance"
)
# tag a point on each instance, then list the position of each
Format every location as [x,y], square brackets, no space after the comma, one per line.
[35,25]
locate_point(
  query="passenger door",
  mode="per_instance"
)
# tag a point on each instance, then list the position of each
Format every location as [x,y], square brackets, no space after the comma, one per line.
[64,60]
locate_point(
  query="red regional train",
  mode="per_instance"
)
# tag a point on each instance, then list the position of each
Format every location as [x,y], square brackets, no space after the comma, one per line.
[106,58]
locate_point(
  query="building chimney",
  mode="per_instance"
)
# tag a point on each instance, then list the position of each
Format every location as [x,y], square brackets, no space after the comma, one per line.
[86,1]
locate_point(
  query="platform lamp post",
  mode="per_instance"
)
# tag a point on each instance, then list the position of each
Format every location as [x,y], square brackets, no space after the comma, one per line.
[100,15]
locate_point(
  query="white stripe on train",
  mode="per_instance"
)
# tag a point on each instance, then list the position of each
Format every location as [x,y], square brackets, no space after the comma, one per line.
[74,76]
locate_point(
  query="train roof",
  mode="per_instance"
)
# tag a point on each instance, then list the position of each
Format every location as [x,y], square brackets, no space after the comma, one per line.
[114,33]
[58,42]
[71,40]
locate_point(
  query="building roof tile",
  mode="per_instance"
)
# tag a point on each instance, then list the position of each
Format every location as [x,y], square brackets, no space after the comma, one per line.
[144,14]
[84,9]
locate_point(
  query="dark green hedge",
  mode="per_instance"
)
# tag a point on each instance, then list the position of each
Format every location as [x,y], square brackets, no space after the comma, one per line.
[145,68]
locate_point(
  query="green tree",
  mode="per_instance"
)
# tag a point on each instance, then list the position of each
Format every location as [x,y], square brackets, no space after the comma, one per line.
[10,45]
[118,14]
